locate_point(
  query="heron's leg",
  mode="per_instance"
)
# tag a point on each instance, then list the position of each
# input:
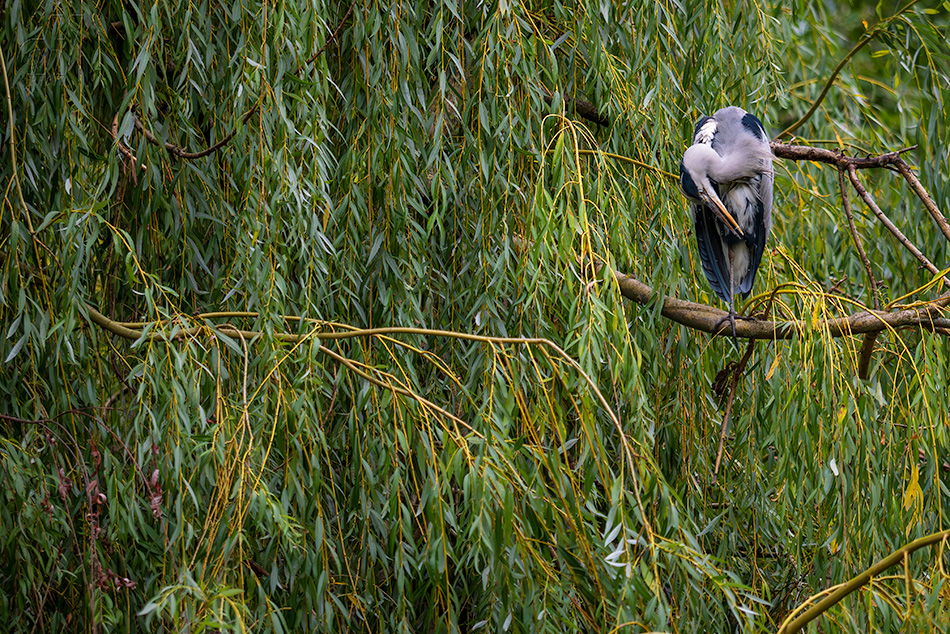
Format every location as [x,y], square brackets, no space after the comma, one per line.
[732,319]
[732,296]
[732,303]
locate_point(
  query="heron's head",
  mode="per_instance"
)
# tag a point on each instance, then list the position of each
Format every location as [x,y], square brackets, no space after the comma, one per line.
[699,161]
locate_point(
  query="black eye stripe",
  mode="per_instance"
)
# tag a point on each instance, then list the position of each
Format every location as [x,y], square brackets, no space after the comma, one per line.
[687,184]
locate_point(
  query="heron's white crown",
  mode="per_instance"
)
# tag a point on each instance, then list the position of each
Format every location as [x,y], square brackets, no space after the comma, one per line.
[706,132]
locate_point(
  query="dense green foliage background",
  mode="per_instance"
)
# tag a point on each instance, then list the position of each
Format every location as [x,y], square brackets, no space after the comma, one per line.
[428,170]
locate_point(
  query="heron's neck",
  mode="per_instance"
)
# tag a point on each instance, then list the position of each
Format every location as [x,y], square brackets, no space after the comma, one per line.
[735,166]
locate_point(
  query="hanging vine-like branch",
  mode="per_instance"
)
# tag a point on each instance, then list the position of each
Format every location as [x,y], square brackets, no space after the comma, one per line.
[182,153]
[800,617]
[931,315]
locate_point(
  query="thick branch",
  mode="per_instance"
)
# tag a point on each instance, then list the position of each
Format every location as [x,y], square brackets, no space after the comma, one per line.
[709,319]
[867,351]
[836,158]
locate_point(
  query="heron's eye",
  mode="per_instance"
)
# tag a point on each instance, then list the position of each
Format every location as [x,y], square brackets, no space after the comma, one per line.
[687,184]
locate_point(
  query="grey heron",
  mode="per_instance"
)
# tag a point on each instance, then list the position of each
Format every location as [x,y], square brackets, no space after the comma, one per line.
[727,175]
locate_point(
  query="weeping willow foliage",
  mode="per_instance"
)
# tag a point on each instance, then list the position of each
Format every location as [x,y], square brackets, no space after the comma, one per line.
[209,422]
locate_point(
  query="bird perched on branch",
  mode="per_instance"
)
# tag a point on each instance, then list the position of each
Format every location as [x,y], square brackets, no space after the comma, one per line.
[727,175]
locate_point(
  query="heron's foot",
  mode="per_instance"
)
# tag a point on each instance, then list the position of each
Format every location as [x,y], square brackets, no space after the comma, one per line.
[729,317]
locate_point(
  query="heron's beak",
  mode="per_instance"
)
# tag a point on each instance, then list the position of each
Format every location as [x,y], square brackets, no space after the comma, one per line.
[710,198]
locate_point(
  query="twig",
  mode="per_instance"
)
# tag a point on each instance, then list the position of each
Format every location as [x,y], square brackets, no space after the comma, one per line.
[350,365]
[627,159]
[175,150]
[126,152]
[737,371]
[329,39]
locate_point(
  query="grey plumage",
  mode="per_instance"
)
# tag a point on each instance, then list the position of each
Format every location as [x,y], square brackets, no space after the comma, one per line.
[727,175]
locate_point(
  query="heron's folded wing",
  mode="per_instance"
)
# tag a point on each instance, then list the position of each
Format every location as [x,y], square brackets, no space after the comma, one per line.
[712,250]
[763,223]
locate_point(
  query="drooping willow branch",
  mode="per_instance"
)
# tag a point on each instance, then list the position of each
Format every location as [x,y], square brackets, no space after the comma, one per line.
[180,152]
[869,36]
[13,161]
[159,332]
[797,623]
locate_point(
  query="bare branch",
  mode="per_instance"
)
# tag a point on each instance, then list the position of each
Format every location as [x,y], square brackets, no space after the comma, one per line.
[329,39]
[735,370]
[175,150]
[938,217]
[866,197]
[846,202]
[836,158]
[867,348]
[123,149]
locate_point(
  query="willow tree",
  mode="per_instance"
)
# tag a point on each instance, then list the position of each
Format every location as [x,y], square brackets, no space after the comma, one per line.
[387,317]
